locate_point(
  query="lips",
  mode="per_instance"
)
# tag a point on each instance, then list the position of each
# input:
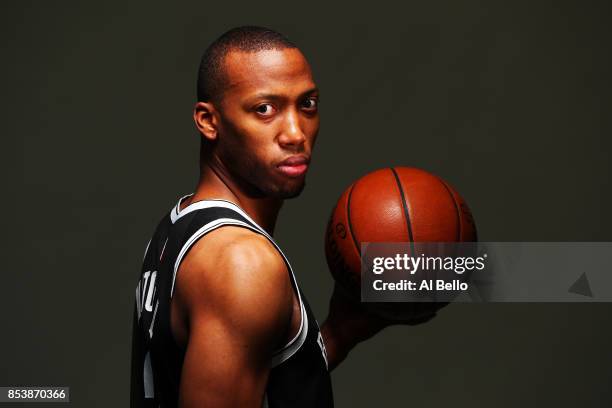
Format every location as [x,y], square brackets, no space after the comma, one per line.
[294,166]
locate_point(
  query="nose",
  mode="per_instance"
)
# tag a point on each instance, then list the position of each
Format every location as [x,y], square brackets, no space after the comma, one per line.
[291,134]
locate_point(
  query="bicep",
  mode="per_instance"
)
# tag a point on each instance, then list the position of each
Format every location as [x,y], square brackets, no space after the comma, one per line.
[221,368]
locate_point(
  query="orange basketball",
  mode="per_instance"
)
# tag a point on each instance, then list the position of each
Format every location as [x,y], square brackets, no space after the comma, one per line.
[398,204]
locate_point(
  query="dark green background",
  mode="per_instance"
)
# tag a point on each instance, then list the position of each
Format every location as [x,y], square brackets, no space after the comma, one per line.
[510,102]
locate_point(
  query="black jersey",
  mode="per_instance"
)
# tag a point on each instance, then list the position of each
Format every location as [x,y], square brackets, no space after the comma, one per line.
[299,376]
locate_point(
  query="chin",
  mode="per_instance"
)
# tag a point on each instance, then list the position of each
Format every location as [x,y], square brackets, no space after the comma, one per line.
[288,192]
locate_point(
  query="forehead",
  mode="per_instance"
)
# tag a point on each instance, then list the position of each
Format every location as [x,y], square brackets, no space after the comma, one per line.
[271,71]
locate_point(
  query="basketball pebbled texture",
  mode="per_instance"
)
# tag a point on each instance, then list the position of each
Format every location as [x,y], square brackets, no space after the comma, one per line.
[398,204]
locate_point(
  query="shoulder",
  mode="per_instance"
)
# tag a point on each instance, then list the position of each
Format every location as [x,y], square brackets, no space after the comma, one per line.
[236,274]
[233,253]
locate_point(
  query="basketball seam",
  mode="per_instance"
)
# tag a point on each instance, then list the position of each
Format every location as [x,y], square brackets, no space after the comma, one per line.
[405,207]
[456,208]
[348,218]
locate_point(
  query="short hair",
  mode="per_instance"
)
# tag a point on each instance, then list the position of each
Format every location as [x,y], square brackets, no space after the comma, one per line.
[211,74]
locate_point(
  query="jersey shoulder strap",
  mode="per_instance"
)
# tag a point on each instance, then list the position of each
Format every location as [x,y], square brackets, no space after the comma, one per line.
[200,218]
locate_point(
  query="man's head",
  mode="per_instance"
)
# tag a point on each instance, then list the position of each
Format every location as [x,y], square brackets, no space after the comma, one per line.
[257,111]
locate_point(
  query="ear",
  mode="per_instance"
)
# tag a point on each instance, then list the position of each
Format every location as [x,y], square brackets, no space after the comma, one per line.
[206,120]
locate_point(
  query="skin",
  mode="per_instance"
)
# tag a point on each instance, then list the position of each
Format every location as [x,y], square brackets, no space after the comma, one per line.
[230,312]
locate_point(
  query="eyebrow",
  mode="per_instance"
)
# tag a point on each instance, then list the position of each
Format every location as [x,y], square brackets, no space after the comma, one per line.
[276,96]
[310,91]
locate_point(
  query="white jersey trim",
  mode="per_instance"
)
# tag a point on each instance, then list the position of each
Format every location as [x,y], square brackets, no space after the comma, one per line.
[197,235]
[146,250]
[294,344]
[298,340]
[265,401]
[176,212]
[149,387]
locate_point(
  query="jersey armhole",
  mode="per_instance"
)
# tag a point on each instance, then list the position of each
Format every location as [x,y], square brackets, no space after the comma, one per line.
[298,340]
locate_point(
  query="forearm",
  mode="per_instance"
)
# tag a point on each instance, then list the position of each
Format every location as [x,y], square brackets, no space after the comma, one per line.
[341,333]
[336,346]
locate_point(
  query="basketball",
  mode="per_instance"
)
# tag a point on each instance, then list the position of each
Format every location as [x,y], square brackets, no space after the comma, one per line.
[398,204]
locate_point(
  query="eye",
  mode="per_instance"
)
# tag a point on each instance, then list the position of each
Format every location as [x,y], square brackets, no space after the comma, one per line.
[310,104]
[265,109]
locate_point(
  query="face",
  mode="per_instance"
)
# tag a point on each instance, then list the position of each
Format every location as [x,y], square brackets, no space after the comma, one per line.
[268,121]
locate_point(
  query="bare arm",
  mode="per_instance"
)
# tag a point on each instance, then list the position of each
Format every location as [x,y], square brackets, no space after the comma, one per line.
[238,308]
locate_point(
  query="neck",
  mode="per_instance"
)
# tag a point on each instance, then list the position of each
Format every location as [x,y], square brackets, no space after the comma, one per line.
[215,183]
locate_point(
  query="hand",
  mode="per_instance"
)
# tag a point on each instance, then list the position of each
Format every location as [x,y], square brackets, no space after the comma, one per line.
[363,317]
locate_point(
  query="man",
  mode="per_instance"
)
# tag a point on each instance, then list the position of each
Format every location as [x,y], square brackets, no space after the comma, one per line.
[220,320]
